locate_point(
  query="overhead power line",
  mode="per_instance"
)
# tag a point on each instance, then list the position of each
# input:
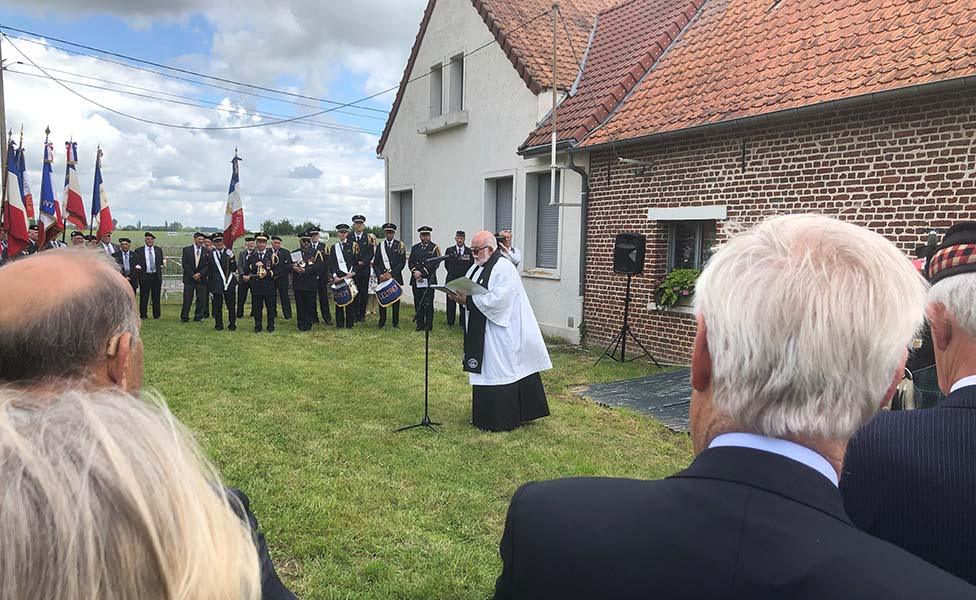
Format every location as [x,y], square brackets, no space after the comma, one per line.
[179,96]
[186,71]
[234,127]
[193,102]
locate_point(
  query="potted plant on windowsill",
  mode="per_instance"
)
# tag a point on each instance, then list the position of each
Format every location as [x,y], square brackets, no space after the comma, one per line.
[676,289]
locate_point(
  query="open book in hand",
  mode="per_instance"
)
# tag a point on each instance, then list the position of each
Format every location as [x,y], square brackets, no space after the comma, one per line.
[462,284]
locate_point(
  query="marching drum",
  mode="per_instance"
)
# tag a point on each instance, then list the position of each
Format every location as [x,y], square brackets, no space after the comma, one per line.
[343,293]
[388,292]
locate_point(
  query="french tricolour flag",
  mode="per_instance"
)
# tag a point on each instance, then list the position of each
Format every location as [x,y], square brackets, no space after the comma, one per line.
[100,201]
[51,223]
[74,206]
[15,215]
[234,215]
[28,196]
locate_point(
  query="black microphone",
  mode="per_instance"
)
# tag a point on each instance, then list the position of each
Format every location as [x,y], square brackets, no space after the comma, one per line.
[436,259]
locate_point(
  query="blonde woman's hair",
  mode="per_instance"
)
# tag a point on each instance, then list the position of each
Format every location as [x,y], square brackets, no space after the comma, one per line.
[104,495]
[808,319]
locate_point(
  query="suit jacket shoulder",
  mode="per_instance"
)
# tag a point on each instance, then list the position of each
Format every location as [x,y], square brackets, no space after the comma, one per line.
[756,528]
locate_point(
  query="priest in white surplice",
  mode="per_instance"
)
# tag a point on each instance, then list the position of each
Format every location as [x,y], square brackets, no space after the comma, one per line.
[503,347]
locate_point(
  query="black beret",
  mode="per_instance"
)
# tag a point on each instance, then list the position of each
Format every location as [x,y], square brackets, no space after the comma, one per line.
[274,237]
[75,234]
[955,255]
[126,240]
[90,238]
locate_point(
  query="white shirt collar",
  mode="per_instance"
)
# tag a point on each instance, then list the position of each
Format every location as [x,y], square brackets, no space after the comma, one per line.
[791,450]
[964,382]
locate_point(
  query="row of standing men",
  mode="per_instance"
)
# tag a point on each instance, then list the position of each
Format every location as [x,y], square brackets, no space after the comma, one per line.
[211,271]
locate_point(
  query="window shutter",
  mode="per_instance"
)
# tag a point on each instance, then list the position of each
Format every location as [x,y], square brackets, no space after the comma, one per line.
[503,204]
[547,225]
[406,217]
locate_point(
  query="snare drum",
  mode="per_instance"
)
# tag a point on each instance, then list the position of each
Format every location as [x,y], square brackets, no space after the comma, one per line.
[388,292]
[343,293]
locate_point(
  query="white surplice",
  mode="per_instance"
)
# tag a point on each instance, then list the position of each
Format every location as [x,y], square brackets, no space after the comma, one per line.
[514,347]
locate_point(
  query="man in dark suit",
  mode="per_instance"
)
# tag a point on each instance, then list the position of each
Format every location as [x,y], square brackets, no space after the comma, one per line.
[774,401]
[222,284]
[126,261]
[459,260]
[195,267]
[908,475]
[149,264]
[281,261]
[388,263]
[244,287]
[259,272]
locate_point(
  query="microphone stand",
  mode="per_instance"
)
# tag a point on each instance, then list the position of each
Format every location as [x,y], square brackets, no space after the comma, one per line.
[425,421]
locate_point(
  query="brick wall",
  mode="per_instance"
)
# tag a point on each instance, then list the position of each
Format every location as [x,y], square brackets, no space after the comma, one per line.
[900,167]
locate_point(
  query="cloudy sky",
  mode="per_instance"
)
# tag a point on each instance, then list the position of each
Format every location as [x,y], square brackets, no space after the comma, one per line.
[325,170]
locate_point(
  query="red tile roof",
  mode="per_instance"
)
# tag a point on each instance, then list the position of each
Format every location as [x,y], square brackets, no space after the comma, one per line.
[525,39]
[627,41]
[744,58]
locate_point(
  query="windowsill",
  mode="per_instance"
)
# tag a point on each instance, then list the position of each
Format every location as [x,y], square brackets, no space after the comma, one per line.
[443,122]
[677,309]
[538,273]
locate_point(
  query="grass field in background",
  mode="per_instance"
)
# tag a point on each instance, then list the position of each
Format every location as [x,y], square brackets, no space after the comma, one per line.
[303,423]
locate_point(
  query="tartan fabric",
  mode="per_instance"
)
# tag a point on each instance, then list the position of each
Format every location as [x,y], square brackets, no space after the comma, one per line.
[949,260]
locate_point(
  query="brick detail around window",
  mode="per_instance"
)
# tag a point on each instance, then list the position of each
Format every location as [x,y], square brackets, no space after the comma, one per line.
[899,167]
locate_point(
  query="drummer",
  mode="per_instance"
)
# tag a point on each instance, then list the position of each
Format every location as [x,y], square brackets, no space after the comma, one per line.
[388,263]
[342,256]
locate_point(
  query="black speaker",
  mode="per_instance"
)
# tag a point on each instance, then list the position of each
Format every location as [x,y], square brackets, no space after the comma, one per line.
[628,253]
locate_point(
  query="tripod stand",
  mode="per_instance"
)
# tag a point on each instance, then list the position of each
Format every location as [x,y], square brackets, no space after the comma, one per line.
[620,340]
[425,421]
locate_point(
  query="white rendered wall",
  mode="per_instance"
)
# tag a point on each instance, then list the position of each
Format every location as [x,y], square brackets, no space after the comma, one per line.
[447,170]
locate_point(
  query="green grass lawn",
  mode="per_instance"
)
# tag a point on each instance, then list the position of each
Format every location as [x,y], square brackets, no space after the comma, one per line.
[303,423]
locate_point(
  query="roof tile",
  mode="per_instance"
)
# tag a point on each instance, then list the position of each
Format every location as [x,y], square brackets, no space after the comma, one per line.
[744,58]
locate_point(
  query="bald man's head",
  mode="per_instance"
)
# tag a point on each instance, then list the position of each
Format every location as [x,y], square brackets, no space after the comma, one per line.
[68,315]
[483,244]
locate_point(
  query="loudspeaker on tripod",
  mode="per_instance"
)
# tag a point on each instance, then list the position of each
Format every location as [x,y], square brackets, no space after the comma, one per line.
[628,253]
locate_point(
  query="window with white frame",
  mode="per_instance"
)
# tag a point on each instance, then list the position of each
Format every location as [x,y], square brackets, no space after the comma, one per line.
[547,223]
[436,90]
[457,83]
[690,243]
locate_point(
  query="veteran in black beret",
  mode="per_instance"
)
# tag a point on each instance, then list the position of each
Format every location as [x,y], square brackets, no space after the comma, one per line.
[196,265]
[126,259]
[388,262]
[908,475]
[77,238]
[422,276]
[149,264]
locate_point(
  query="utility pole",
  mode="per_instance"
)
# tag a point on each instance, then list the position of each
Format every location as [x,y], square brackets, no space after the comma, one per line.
[3,115]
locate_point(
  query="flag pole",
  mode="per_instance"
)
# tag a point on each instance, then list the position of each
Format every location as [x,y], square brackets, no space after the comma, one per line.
[91,224]
[3,202]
